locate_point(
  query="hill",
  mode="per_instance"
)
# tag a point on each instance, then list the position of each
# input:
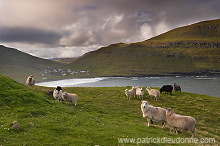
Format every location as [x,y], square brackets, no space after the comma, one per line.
[102,116]
[65,60]
[193,49]
[18,65]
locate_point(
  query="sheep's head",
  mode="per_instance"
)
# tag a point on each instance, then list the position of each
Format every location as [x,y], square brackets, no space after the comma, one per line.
[58,88]
[126,90]
[144,103]
[169,111]
[134,88]
[148,88]
[64,95]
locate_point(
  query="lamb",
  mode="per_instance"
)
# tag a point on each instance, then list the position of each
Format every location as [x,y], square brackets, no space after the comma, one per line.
[153,92]
[185,123]
[152,113]
[130,93]
[176,87]
[140,92]
[57,94]
[69,97]
[30,80]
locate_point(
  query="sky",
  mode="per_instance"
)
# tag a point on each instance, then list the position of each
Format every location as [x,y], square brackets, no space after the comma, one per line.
[71,28]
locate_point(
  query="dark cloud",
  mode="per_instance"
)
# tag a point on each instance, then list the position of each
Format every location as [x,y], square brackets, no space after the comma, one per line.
[83,24]
[28,35]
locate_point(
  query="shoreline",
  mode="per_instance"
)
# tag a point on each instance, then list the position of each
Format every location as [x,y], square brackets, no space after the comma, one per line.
[192,74]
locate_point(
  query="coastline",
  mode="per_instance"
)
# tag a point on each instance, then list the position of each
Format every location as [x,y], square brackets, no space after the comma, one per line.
[174,74]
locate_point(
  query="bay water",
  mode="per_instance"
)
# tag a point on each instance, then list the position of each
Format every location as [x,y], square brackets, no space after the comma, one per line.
[194,84]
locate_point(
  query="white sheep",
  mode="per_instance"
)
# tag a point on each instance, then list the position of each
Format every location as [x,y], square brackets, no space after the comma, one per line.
[140,92]
[70,97]
[185,123]
[57,94]
[130,93]
[153,92]
[30,80]
[156,114]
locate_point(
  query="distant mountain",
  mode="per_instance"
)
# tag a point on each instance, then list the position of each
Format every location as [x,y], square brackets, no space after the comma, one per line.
[18,65]
[65,60]
[192,49]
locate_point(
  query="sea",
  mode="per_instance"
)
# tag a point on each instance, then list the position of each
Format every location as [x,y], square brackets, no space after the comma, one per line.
[207,85]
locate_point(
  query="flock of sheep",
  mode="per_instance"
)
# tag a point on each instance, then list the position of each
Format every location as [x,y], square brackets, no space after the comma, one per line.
[138,91]
[153,114]
[162,115]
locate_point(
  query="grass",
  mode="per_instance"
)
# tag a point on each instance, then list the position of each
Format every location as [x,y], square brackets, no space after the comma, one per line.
[102,115]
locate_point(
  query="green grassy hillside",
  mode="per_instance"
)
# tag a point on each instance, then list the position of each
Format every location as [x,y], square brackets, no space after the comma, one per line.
[101,117]
[19,65]
[186,50]
[207,31]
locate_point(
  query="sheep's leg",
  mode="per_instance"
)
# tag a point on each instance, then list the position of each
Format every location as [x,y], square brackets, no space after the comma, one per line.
[175,130]
[171,128]
[163,124]
[193,133]
[148,122]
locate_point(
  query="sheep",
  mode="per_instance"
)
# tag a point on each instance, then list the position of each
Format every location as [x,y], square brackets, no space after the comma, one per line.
[139,92]
[57,94]
[30,80]
[153,92]
[167,88]
[69,97]
[176,87]
[130,93]
[152,113]
[185,123]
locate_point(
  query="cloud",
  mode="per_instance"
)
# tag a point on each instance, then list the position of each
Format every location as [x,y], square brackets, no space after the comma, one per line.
[62,52]
[28,35]
[80,25]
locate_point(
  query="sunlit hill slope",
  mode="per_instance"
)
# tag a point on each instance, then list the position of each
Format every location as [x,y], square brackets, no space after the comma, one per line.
[193,49]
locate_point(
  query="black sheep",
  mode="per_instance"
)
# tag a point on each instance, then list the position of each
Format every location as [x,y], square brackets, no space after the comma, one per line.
[166,89]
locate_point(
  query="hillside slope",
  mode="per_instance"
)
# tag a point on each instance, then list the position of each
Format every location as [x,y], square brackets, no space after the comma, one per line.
[14,94]
[18,65]
[193,49]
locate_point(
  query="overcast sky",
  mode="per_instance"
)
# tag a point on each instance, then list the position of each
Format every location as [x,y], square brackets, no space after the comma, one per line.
[70,28]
